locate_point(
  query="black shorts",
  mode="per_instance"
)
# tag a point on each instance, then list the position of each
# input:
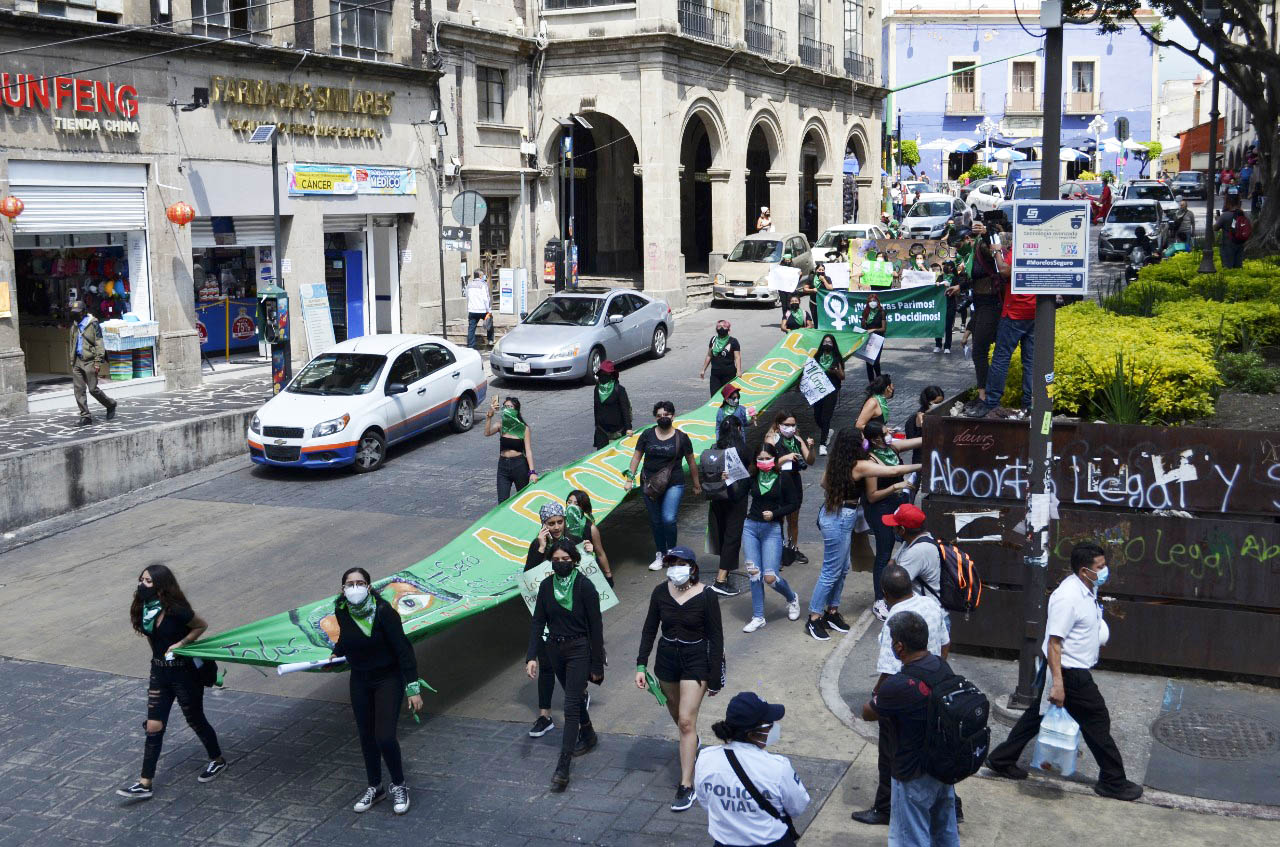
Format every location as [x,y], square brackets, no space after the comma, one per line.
[677,661]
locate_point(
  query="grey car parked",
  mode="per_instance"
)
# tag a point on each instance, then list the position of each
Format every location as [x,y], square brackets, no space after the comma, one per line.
[569,334]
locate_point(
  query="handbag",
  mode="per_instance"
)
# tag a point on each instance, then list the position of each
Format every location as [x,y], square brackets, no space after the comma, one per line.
[765,805]
[657,483]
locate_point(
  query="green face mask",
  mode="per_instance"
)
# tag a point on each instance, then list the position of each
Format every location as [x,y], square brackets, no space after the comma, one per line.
[511,423]
[575,521]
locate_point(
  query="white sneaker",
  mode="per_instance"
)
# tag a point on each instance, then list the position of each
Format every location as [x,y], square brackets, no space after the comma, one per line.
[370,796]
[880,610]
[937,348]
[793,610]
[656,564]
[753,625]
[822,449]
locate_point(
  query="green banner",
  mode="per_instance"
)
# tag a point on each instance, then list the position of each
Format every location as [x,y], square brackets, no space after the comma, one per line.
[482,567]
[909,312]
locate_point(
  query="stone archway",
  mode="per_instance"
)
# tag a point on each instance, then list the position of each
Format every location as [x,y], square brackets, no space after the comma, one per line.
[861,185]
[813,178]
[763,153]
[697,154]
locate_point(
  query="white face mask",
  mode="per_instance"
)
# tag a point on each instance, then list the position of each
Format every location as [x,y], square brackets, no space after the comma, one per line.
[356,594]
[775,732]
[679,574]
[787,431]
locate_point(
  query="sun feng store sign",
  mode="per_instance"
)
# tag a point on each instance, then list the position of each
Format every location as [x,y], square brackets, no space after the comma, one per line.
[77,104]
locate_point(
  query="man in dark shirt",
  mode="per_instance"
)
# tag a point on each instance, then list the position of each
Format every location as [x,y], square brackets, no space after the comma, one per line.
[923,809]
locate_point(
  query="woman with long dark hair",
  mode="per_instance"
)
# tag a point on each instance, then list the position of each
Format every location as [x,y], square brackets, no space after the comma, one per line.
[515,446]
[690,655]
[580,522]
[568,608]
[772,499]
[832,363]
[725,515]
[662,449]
[795,454]
[930,397]
[384,671]
[876,406]
[873,321]
[842,497]
[882,499]
[161,613]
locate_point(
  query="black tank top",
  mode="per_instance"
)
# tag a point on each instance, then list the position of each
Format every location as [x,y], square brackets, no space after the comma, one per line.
[507,442]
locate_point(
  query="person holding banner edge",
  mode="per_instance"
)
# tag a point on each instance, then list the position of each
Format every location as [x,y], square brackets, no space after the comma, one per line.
[873,321]
[832,363]
[554,530]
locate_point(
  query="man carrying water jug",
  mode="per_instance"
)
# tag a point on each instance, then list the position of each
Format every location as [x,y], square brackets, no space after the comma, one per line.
[1073,635]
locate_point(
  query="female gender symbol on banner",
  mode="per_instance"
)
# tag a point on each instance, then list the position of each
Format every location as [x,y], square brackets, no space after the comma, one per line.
[836,305]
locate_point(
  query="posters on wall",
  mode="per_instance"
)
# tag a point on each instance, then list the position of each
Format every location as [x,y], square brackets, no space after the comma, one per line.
[507,291]
[316,317]
[307,179]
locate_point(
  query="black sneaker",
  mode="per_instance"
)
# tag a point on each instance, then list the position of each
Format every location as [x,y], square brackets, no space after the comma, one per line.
[800,558]
[371,795]
[817,630]
[84,421]
[541,726]
[211,770]
[111,412]
[560,779]
[137,791]
[1013,771]
[836,621]
[684,798]
[724,588]
[587,740]
[1127,791]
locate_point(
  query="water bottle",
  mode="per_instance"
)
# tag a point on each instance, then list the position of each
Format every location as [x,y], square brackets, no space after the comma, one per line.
[1057,744]
[752,571]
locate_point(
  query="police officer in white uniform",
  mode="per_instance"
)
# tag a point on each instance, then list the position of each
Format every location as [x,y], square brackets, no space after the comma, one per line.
[1074,633]
[735,817]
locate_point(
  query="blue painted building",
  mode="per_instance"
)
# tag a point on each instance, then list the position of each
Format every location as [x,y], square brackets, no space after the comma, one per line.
[1112,75]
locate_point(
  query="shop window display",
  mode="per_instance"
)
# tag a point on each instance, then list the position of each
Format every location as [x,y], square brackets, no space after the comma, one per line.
[226,288]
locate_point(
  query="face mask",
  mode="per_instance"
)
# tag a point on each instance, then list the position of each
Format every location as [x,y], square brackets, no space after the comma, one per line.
[732,402]
[722,331]
[562,569]
[604,377]
[146,593]
[764,464]
[875,304]
[665,423]
[1100,578]
[775,732]
[679,574]
[795,305]
[356,594]
[787,431]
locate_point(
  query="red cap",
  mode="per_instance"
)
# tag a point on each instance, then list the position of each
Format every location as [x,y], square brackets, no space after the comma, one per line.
[608,367]
[729,390]
[906,516]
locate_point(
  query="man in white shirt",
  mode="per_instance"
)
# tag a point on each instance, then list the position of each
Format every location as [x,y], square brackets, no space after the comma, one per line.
[479,306]
[1074,632]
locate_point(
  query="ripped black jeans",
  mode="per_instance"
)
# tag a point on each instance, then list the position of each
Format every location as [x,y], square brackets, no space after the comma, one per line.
[175,680]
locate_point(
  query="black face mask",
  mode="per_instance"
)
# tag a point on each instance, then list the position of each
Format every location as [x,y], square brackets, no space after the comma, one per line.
[146,593]
[665,423]
[722,332]
[604,377]
[562,569]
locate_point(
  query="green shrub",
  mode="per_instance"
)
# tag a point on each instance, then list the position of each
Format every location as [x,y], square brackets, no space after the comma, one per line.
[1124,393]
[979,171]
[1143,297]
[1205,318]
[1259,279]
[1248,372]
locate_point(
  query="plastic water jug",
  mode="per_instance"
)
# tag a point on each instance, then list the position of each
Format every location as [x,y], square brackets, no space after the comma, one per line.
[1057,744]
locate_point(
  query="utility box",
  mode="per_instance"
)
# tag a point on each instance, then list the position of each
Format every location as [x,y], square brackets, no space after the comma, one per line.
[553,264]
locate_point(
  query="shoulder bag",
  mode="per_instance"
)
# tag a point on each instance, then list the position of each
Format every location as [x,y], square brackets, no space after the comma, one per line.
[765,805]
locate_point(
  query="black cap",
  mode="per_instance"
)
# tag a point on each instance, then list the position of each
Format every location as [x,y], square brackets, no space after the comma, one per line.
[747,710]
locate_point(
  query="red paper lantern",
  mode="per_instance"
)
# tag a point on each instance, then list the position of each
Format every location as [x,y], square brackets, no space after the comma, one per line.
[11,207]
[180,213]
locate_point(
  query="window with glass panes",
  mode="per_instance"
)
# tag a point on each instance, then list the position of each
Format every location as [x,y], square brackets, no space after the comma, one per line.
[491,93]
[1082,77]
[360,30]
[854,12]
[965,81]
[221,18]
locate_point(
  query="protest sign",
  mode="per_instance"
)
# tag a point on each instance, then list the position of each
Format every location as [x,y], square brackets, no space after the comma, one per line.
[814,384]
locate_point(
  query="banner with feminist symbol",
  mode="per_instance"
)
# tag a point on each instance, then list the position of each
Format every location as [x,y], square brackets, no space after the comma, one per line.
[909,312]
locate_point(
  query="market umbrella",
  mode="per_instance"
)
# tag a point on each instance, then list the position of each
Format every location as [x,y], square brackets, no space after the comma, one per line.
[1067,154]
[1080,142]
[1112,145]
[1008,154]
[1130,144]
[1028,143]
[943,146]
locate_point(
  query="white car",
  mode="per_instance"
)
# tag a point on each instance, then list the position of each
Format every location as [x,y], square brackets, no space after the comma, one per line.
[986,198]
[856,233]
[353,400]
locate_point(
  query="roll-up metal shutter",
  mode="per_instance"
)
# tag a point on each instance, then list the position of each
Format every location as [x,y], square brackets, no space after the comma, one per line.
[384,220]
[97,208]
[202,234]
[344,223]
[258,231]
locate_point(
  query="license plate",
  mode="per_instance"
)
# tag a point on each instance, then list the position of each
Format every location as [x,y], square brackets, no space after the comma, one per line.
[521,367]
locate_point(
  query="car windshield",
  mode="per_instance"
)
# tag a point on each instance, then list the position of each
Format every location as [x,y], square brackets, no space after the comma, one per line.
[333,374]
[829,237]
[1149,192]
[930,209]
[1131,214]
[567,311]
[757,251]
[1027,191]
[1187,178]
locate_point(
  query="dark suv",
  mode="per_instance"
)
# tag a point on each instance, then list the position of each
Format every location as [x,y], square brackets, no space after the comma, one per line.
[1190,184]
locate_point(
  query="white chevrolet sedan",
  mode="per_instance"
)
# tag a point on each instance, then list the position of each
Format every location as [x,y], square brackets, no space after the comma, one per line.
[350,402]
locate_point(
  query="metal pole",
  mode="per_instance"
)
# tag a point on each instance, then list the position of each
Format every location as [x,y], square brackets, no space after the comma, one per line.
[278,266]
[1206,258]
[569,280]
[1041,449]
[899,145]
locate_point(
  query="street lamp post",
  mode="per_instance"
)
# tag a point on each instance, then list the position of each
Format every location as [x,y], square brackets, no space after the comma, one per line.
[987,128]
[281,348]
[1097,126]
[1212,12]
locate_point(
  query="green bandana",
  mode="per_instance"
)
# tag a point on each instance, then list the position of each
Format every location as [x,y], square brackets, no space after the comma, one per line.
[363,614]
[511,423]
[826,360]
[563,589]
[765,480]
[718,344]
[792,445]
[575,521]
[604,390]
[415,688]
[884,407]
[797,316]
[150,611]
[886,455]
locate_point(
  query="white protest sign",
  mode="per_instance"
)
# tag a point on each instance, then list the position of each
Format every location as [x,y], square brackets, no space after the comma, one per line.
[838,273]
[783,278]
[531,579]
[870,351]
[915,279]
[733,467]
[814,384]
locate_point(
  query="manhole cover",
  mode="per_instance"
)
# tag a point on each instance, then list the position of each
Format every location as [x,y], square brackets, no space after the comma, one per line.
[1215,734]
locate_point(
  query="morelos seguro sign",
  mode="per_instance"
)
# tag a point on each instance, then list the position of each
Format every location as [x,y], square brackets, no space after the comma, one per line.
[259,95]
[88,105]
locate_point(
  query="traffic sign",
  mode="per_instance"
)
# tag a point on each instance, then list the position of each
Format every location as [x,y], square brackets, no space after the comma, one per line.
[456,238]
[1050,247]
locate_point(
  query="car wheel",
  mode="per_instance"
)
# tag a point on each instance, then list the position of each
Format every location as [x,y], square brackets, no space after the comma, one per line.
[594,359]
[464,414]
[658,348]
[371,452]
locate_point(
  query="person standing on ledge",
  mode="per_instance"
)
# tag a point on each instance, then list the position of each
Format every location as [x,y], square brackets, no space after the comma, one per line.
[86,354]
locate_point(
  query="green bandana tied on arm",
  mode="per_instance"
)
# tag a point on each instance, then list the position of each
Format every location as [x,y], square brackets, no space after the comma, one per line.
[511,424]
[575,521]
[604,390]
[362,614]
[414,689]
[765,480]
[718,344]
[563,589]
[150,611]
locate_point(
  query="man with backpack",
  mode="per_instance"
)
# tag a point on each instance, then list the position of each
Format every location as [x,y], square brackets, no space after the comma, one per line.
[940,570]
[1236,230]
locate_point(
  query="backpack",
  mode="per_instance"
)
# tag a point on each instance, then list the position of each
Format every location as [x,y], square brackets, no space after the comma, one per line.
[711,471]
[959,580]
[956,737]
[1241,228]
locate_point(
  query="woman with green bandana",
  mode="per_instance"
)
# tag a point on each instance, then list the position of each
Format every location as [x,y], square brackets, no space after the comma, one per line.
[772,499]
[568,608]
[832,363]
[384,672]
[581,523]
[724,357]
[873,321]
[794,316]
[795,454]
[612,406]
[160,613]
[876,406]
[731,407]
[515,447]
[554,530]
[882,498]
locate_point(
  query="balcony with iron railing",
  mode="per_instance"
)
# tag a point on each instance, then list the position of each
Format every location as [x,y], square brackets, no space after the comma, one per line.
[860,67]
[765,40]
[817,54]
[1023,103]
[557,5]
[965,103]
[700,21]
[1081,102]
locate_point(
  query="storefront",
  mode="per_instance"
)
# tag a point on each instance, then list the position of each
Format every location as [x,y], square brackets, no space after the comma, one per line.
[229,258]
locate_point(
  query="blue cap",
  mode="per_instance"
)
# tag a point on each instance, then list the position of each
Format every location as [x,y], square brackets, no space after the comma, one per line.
[747,710]
[682,553]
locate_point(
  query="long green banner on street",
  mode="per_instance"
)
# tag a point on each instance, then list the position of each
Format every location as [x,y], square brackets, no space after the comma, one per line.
[481,568]
[909,312]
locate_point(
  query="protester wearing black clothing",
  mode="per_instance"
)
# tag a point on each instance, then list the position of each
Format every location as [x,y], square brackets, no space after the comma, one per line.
[568,607]
[612,406]
[724,357]
[725,516]
[930,397]
[662,449]
[985,288]
[160,612]
[832,363]
[384,671]
[942,344]
[873,321]
[552,533]
[515,446]
[690,656]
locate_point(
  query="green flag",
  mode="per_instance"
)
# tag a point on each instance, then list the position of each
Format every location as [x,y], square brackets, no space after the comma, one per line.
[909,312]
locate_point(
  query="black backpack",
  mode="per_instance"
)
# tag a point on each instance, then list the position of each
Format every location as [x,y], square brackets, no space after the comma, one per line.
[956,737]
[711,470]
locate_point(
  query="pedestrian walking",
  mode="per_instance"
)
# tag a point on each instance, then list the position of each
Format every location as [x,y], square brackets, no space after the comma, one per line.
[568,608]
[882,499]
[479,308]
[1074,634]
[772,499]
[900,597]
[724,357]
[580,522]
[612,406]
[662,449]
[931,397]
[832,363]
[922,808]
[86,354]
[730,407]
[726,514]
[795,454]
[384,671]
[690,658]
[842,498]
[794,317]
[515,446]
[161,613]
[750,794]
[554,529]
[873,321]
[1236,231]
[876,407]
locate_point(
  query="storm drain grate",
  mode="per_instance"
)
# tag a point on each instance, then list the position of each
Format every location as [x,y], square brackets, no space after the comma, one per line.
[1215,734]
